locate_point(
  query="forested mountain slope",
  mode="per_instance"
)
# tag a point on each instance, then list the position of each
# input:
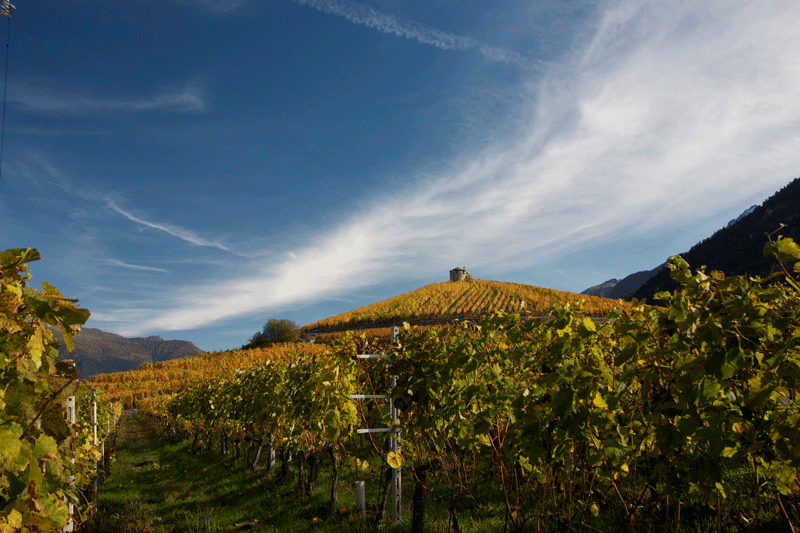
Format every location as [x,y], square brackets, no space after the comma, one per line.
[737,249]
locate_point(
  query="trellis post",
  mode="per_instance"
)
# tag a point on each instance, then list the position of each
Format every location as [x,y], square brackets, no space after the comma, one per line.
[394,438]
[93,423]
[395,447]
[70,526]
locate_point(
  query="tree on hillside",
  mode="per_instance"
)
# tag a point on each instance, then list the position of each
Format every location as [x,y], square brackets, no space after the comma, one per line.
[275,330]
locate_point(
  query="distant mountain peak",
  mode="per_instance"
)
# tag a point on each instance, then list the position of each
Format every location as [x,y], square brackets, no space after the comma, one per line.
[100,352]
[744,214]
[624,288]
[602,290]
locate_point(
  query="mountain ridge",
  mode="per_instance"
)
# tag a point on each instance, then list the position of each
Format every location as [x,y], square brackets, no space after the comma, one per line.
[735,249]
[624,288]
[100,352]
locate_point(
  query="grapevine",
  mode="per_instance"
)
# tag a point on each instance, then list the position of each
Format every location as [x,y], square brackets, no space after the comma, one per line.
[39,449]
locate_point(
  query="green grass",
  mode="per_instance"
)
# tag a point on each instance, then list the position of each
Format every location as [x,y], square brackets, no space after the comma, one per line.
[157,484]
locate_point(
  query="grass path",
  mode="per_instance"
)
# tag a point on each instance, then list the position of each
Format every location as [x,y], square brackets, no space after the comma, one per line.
[157,484]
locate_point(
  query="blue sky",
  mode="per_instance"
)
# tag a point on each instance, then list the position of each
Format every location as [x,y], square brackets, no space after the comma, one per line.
[192,168]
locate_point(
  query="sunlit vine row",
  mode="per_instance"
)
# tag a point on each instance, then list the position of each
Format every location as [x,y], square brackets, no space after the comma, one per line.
[169,376]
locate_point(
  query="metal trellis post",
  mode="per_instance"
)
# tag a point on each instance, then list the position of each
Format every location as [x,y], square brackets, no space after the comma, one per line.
[394,438]
[71,419]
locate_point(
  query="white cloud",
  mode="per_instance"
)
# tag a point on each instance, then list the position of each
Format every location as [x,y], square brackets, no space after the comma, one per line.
[387,23]
[684,110]
[43,132]
[191,99]
[136,267]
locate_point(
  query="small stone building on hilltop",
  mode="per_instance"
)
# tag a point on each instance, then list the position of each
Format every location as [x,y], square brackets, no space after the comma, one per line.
[458,274]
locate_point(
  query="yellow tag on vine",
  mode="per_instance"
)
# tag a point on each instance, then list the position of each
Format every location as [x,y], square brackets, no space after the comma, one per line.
[394,459]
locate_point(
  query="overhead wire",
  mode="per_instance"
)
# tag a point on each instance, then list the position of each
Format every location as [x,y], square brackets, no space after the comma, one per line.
[6,8]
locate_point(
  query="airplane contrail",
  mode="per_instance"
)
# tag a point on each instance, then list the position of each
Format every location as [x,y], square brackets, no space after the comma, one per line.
[175,231]
[370,17]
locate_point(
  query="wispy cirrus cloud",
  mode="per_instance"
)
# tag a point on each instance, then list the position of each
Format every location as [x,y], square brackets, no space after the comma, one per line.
[683,111]
[181,233]
[43,132]
[136,267]
[55,176]
[52,175]
[191,99]
[391,24]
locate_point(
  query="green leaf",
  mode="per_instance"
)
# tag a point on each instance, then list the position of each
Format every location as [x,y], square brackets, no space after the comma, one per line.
[36,347]
[709,390]
[483,423]
[784,477]
[784,249]
[17,256]
[333,424]
[662,295]
[599,401]
[34,477]
[562,401]
[46,448]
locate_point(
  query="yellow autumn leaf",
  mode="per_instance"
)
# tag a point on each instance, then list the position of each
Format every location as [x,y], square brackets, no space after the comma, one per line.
[14,518]
[599,401]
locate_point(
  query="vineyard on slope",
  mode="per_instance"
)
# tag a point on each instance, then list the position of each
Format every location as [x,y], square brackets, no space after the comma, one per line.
[465,299]
[671,416]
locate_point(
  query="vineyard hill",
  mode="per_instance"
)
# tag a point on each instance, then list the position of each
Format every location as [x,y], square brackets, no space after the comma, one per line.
[461,299]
